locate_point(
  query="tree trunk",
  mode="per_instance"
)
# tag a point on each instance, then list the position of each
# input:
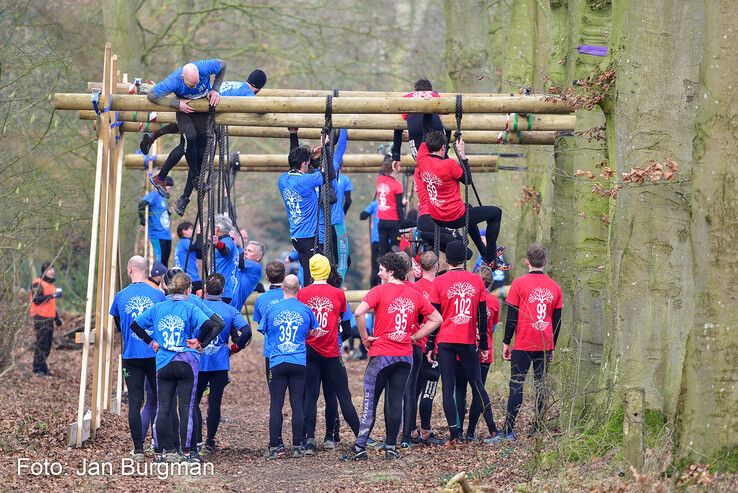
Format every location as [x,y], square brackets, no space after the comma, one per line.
[709,394]
[467,56]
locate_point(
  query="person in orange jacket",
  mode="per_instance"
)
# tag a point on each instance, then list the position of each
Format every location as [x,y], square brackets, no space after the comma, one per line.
[42,298]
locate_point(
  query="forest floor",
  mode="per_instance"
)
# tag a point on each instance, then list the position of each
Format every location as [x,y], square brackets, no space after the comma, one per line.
[35,414]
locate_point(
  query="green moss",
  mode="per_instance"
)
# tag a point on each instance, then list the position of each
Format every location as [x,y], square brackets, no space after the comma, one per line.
[726,462]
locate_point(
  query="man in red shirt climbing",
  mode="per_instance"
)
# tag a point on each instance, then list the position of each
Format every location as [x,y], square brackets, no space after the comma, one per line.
[533,316]
[441,176]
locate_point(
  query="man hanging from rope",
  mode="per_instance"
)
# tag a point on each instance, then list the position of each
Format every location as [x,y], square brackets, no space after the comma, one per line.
[192,81]
[254,83]
[441,177]
[298,188]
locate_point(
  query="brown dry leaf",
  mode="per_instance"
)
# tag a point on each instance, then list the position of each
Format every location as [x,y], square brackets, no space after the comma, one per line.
[607,173]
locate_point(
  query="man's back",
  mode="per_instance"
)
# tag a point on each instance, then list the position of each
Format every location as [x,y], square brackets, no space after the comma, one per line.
[459,293]
[440,178]
[301,201]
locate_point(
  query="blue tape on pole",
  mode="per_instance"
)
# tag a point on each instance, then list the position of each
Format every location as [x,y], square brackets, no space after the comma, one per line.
[95,99]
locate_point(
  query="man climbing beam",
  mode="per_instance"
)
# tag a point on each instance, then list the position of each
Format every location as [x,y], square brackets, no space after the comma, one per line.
[192,81]
[254,83]
[441,176]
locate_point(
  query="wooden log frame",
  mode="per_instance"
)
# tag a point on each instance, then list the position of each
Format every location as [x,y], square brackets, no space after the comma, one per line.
[368,163]
[360,135]
[130,88]
[340,105]
[496,122]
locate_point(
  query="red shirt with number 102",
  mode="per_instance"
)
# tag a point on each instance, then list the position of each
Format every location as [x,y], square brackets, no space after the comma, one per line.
[459,293]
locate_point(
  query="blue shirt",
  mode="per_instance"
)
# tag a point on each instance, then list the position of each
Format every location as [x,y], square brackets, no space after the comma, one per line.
[344,185]
[286,324]
[294,257]
[172,322]
[216,355]
[263,302]
[174,83]
[180,258]
[198,302]
[235,88]
[372,209]
[300,196]
[128,304]
[227,266]
[158,216]
[248,278]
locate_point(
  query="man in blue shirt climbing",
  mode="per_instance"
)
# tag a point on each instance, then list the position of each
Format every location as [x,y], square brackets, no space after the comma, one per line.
[248,273]
[226,255]
[187,252]
[192,81]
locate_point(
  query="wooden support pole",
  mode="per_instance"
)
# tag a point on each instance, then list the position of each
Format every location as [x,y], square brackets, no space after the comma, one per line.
[79,425]
[340,105]
[279,161]
[494,122]
[130,88]
[634,443]
[359,135]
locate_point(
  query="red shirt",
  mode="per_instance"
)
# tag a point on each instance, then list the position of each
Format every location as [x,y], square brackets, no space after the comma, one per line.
[459,293]
[422,194]
[419,94]
[493,317]
[426,288]
[328,304]
[536,295]
[387,189]
[396,309]
[440,177]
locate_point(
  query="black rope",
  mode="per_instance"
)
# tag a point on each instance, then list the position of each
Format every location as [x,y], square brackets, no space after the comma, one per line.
[328,161]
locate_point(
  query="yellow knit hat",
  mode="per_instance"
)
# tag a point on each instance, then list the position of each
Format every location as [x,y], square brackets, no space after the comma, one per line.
[320,268]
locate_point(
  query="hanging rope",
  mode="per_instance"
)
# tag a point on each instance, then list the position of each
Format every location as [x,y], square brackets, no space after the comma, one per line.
[327,160]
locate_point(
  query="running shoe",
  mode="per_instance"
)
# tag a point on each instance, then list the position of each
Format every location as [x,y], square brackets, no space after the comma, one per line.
[329,444]
[207,449]
[404,444]
[452,443]
[310,448]
[172,457]
[500,438]
[431,440]
[193,457]
[355,453]
[276,452]
[298,452]
[138,456]
[160,185]
[370,442]
[159,457]
[146,141]
[391,453]
[181,205]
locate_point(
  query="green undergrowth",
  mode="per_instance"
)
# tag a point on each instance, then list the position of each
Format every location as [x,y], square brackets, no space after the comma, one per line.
[599,438]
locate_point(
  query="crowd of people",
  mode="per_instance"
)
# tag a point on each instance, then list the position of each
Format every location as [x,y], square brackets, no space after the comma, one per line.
[424,320]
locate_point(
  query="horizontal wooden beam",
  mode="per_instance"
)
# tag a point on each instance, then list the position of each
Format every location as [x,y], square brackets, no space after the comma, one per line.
[131,89]
[374,122]
[278,162]
[340,105]
[359,135]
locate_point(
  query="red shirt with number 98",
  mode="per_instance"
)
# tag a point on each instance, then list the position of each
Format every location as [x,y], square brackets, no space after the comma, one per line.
[536,296]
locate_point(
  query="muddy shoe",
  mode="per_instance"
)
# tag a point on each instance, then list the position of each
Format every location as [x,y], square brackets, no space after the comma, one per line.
[391,453]
[298,452]
[355,453]
[160,185]
[276,452]
[138,456]
[310,448]
[146,142]
[181,205]
[431,439]
[329,444]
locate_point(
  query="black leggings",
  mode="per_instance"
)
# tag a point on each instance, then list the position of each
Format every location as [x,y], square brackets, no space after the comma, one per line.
[332,421]
[282,377]
[520,363]
[305,249]
[192,143]
[177,380]
[136,371]
[319,367]
[373,276]
[389,232]
[418,126]
[489,213]
[427,388]
[410,399]
[388,373]
[218,379]
[469,356]
[475,411]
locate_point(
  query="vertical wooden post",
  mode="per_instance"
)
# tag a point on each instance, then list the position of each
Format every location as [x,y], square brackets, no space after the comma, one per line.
[634,408]
[91,270]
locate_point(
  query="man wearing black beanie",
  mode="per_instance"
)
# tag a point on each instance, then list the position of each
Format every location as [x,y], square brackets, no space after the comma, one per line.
[459,297]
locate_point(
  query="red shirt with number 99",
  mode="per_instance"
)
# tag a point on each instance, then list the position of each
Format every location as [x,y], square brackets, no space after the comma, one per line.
[396,310]
[536,295]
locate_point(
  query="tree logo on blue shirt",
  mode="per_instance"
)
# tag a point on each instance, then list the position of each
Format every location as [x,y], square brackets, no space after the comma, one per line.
[293,200]
[212,348]
[136,306]
[171,328]
[289,322]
